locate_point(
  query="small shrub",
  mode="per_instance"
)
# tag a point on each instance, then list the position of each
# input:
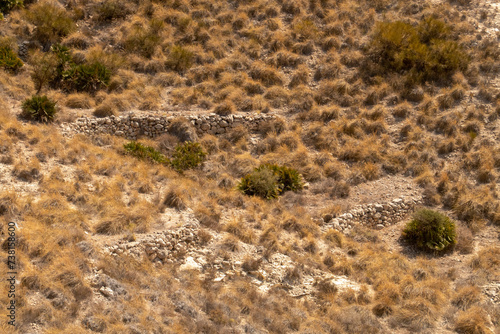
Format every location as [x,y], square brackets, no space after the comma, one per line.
[472,321]
[180,59]
[39,108]
[144,152]
[424,52]
[173,199]
[430,230]
[186,156]
[110,10]
[9,60]
[86,77]
[78,101]
[144,39]
[225,108]
[261,182]
[269,181]
[265,74]
[52,22]
[104,110]
[305,29]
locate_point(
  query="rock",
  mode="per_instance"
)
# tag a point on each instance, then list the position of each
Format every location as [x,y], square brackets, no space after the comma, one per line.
[105,281]
[190,264]
[106,292]
[220,278]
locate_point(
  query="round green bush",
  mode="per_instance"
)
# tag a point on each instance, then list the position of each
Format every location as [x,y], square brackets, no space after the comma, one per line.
[430,230]
[261,182]
[39,108]
[269,181]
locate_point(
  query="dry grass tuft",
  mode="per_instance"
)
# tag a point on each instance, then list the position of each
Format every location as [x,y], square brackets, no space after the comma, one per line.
[473,321]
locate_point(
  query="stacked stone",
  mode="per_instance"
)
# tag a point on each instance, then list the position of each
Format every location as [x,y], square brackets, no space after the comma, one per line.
[375,215]
[164,247]
[132,127]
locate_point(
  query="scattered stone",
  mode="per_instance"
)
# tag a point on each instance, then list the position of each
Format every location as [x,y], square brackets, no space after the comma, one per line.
[190,264]
[106,292]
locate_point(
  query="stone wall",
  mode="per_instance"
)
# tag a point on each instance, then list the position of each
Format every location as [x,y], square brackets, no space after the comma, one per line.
[375,215]
[134,126]
[166,247]
[173,245]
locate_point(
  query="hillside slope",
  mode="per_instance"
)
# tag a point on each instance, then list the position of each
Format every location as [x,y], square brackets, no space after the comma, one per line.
[383,107]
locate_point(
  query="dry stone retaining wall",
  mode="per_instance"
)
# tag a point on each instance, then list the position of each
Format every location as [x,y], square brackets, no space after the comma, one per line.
[375,215]
[172,245]
[166,247]
[134,126]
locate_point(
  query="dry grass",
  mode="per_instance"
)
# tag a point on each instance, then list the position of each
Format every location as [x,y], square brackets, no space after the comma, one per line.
[303,60]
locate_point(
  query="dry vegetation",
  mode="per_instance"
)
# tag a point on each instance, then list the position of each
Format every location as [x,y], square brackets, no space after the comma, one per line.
[368,89]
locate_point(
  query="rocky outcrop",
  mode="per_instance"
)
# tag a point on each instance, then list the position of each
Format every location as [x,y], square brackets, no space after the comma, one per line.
[134,126]
[376,215]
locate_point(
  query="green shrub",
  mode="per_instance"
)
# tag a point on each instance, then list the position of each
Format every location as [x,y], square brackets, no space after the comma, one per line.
[261,182]
[7,5]
[179,59]
[86,77]
[144,39]
[269,181]
[110,10]
[9,60]
[430,230]
[187,155]
[48,67]
[144,152]
[288,178]
[39,108]
[425,52]
[52,22]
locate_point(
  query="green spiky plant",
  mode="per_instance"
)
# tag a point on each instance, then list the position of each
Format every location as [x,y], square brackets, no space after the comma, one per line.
[39,108]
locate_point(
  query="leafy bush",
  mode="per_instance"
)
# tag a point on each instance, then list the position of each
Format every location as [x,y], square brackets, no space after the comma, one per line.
[39,108]
[9,60]
[186,156]
[86,77]
[430,230]
[425,52]
[52,22]
[7,5]
[144,152]
[269,181]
